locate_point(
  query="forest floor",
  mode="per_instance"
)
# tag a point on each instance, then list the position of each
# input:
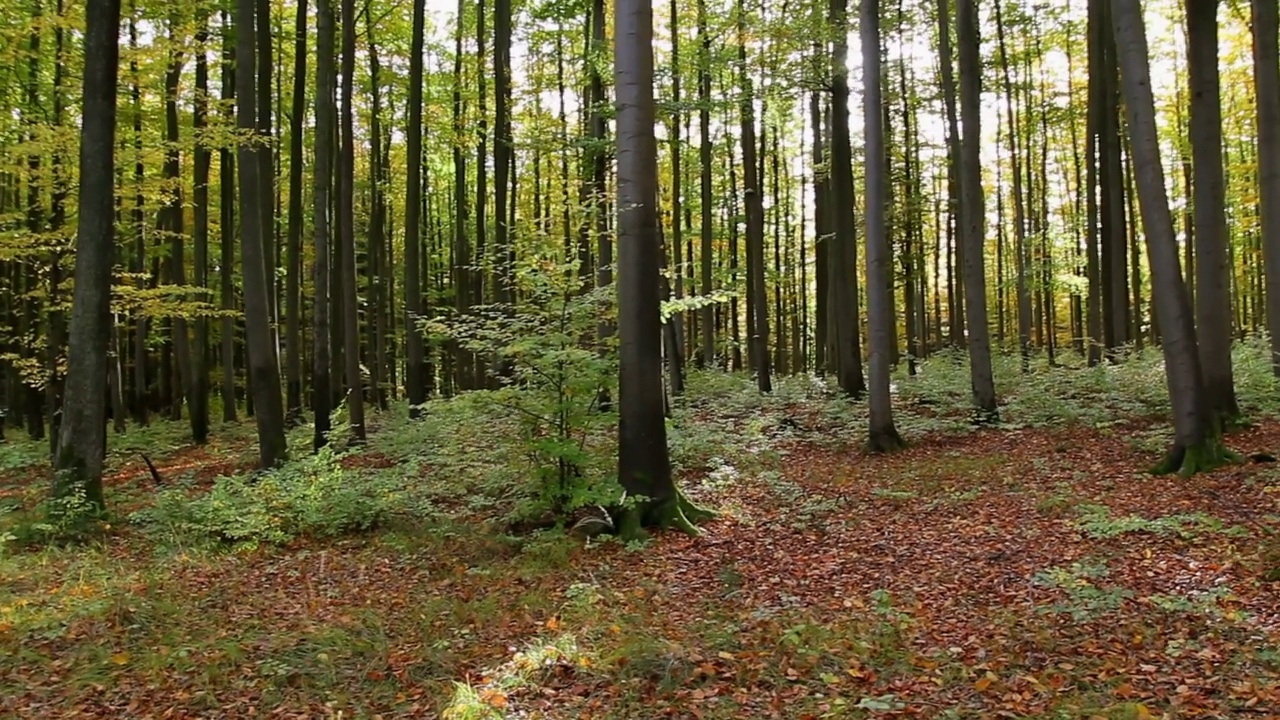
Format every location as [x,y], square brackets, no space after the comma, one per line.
[1014,572]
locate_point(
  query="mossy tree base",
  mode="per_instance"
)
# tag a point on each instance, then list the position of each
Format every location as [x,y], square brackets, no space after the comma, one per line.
[985,417]
[1187,461]
[677,512]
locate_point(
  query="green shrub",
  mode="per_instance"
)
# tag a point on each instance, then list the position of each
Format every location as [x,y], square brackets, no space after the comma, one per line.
[311,497]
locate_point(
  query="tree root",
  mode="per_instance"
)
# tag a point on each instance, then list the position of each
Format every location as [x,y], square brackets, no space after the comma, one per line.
[1187,461]
[677,513]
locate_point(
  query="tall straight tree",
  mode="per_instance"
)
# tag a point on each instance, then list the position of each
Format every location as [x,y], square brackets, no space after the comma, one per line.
[264,370]
[842,255]
[758,305]
[1197,442]
[1213,279]
[1266,78]
[504,252]
[644,465]
[82,445]
[293,252]
[883,435]
[415,361]
[347,226]
[198,401]
[971,211]
[706,257]
[326,126]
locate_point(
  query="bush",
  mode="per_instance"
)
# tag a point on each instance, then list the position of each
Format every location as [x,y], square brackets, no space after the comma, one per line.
[312,497]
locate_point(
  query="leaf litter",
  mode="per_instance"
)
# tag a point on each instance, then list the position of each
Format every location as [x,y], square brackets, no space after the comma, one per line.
[955,579]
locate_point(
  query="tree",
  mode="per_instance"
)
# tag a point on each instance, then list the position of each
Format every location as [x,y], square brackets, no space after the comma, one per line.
[293,262]
[347,227]
[1213,282]
[971,212]
[415,361]
[1266,78]
[82,444]
[753,192]
[644,465]
[321,377]
[883,436]
[1197,441]
[842,255]
[264,371]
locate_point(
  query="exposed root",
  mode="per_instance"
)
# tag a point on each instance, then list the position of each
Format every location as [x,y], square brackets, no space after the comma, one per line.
[676,513]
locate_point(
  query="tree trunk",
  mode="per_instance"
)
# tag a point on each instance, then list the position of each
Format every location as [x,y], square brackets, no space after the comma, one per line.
[82,446]
[1266,77]
[1197,442]
[415,385]
[293,262]
[971,216]
[1213,299]
[883,435]
[321,380]
[842,257]
[264,372]
[347,228]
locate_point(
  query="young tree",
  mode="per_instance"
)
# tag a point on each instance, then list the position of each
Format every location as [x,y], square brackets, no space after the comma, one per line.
[758,301]
[1197,442]
[82,445]
[644,465]
[881,324]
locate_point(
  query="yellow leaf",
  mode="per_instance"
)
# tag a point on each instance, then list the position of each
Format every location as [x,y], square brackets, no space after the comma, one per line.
[725,655]
[1141,712]
[120,658]
[494,698]
[553,624]
[985,681]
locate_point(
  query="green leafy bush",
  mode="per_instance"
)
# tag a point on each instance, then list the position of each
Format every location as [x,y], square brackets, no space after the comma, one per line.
[311,497]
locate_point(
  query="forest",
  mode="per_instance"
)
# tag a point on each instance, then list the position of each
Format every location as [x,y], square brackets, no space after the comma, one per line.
[580,359]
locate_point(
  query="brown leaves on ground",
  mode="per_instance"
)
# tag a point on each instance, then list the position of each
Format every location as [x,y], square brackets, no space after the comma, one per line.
[954,579]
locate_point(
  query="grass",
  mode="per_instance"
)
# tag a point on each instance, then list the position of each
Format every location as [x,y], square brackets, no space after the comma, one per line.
[1028,570]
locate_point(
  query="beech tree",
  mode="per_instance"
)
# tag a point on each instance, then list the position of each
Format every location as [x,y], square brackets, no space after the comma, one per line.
[1197,438]
[82,443]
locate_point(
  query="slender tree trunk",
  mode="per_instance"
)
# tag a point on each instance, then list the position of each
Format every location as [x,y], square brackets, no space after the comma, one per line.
[264,372]
[226,229]
[321,380]
[198,399]
[293,277]
[842,260]
[883,435]
[971,216]
[415,370]
[347,229]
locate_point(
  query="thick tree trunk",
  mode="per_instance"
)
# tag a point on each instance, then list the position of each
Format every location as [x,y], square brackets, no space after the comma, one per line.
[1213,299]
[82,446]
[1266,78]
[1197,440]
